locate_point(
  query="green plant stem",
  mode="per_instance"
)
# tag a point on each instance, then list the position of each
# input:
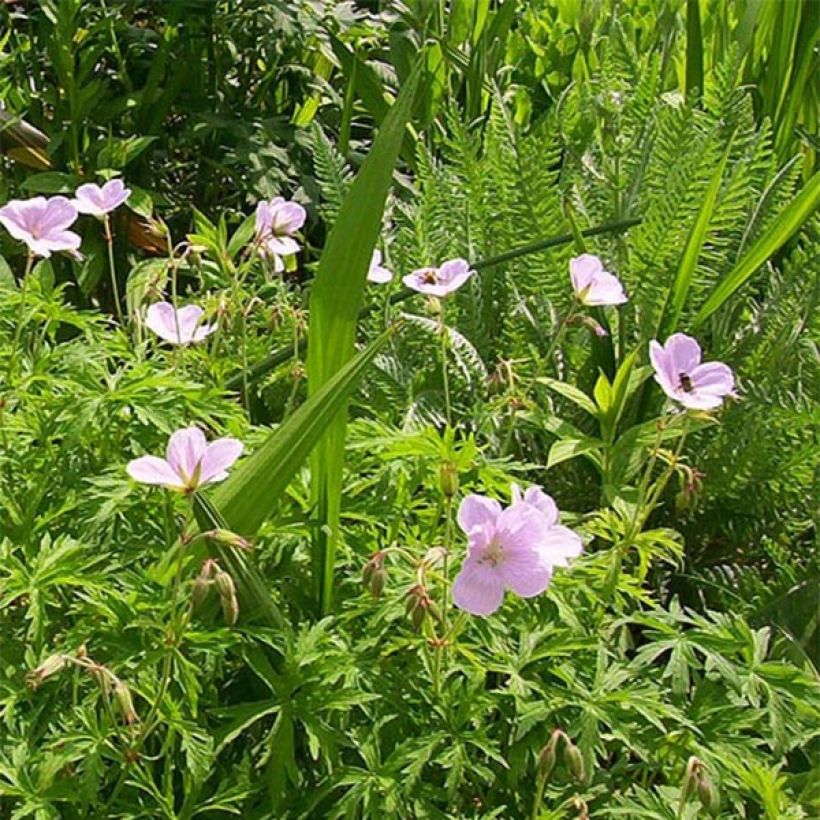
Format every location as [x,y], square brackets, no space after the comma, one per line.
[115,291]
[559,333]
[21,315]
[444,348]
[173,638]
[539,796]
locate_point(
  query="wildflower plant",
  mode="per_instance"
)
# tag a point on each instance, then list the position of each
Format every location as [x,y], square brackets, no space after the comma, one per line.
[242,576]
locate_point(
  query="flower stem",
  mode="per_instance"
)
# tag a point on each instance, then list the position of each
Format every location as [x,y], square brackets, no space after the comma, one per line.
[21,316]
[444,347]
[172,640]
[559,333]
[109,241]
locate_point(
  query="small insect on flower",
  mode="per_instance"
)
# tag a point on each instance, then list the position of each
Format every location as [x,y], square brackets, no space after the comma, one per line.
[99,200]
[42,224]
[513,549]
[179,327]
[678,370]
[189,463]
[441,281]
[593,285]
[377,273]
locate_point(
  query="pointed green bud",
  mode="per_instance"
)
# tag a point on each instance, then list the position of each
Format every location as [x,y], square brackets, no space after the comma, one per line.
[546,761]
[50,666]
[574,761]
[122,696]
[708,794]
[448,479]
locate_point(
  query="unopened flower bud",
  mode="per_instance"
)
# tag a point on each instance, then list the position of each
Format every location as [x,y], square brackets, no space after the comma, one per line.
[690,779]
[122,695]
[229,539]
[50,666]
[434,556]
[598,329]
[448,479]
[416,604]
[574,761]
[708,794]
[546,760]
[203,582]
[227,597]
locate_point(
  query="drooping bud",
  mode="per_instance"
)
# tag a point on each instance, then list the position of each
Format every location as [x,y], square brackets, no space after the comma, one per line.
[598,329]
[50,666]
[417,603]
[227,596]
[708,794]
[448,479]
[574,761]
[546,760]
[229,539]
[122,695]
[374,574]
[433,557]
[203,582]
[690,779]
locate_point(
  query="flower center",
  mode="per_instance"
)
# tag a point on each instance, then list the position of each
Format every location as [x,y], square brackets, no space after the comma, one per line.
[493,553]
[685,382]
[429,277]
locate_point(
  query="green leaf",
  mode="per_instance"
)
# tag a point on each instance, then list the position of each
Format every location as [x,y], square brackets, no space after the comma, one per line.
[51,182]
[566,449]
[335,302]
[569,391]
[694,49]
[603,394]
[782,229]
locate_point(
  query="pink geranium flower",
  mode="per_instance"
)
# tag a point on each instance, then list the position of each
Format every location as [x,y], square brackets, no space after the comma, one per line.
[514,549]
[441,281]
[189,461]
[180,327]
[276,223]
[593,286]
[378,274]
[683,378]
[99,201]
[42,224]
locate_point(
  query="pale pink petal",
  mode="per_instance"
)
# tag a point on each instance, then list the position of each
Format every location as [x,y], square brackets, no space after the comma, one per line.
[683,352]
[282,245]
[186,449]
[160,318]
[525,573]
[478,588]
[264,218]
[153,470]
[582,269]
[188,318]
[536,497]
[219,456]
[713,377]
[697,400]
[378,274]
[288,217]
[560,545]
[202,332]
[477,510]
[665,374]
[58,241]
[605,290]
[58,215]
[520,527]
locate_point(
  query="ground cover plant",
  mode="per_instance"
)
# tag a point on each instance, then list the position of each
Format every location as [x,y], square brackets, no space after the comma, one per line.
[408,409]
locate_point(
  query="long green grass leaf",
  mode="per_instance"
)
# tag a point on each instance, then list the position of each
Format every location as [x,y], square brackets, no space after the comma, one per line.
[335,303]
[694,246]
[786,224]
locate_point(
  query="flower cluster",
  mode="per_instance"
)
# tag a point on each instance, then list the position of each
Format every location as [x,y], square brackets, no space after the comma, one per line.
[43,224]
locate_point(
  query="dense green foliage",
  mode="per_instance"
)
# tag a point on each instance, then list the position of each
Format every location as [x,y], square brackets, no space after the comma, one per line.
[321,669]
